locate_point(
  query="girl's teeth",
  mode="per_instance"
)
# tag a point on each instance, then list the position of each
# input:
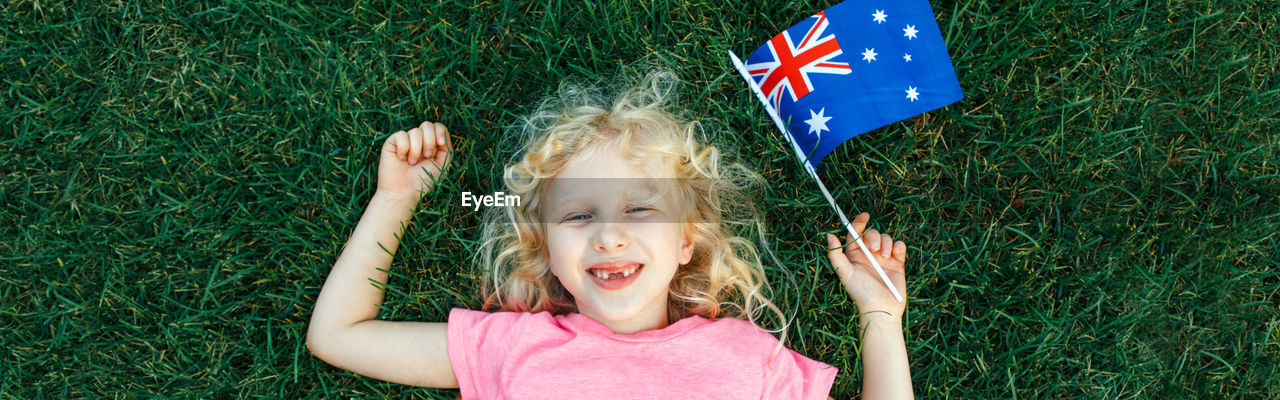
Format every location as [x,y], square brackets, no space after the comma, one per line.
[605,275]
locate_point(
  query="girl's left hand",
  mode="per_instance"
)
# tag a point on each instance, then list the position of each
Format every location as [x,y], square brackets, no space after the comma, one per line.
[858,276]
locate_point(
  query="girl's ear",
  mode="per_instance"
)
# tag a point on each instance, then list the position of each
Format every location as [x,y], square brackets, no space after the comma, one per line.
[686,248]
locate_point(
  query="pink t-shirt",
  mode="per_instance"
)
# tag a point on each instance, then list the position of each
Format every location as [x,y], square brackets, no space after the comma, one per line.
[519,355]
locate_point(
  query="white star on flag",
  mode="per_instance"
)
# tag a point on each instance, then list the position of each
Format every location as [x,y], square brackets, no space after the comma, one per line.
[910,32]
[912,94]
[879,16]
[818,122]
[869,55]
[906,57]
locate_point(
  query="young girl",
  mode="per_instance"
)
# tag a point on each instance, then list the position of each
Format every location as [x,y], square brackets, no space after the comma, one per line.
[618,275]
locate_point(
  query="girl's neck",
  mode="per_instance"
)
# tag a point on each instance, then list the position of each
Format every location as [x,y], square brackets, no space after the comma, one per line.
[649,319]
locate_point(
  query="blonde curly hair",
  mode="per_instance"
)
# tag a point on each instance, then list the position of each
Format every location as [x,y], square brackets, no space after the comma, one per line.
[725,277]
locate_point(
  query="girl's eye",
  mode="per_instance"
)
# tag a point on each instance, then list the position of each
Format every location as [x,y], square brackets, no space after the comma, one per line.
[577,217]
[639,209]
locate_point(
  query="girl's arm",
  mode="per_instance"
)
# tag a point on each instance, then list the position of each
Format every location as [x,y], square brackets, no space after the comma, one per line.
[343,331]
[886,370]
[886,373]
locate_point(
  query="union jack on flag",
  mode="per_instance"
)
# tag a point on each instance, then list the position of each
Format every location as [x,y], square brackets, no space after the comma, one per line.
[790,65]
[896,67]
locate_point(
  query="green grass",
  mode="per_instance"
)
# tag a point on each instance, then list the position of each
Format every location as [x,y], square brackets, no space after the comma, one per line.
[1097,219]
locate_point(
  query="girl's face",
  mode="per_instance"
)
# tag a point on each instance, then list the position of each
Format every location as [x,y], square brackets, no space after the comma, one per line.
[602,218]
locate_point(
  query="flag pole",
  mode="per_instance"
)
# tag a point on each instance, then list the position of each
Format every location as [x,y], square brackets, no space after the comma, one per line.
[742,70]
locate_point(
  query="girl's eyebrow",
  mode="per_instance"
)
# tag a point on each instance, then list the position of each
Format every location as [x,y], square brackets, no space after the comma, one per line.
[642,197]
[648,192]
[562,204]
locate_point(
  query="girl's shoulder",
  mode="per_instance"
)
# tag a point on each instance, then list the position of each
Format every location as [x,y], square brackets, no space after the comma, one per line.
[743,328]
[463,319]
[739,323]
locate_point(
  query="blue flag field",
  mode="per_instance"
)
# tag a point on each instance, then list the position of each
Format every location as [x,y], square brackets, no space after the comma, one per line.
[854,67]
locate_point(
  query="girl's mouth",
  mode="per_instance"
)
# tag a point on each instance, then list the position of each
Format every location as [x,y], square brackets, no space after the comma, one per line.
[616,280]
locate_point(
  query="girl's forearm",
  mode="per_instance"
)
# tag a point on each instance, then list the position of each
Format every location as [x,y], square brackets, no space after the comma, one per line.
[885,369]
[348,297]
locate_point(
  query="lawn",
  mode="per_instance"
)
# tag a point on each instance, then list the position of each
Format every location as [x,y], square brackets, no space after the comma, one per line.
[1096,219]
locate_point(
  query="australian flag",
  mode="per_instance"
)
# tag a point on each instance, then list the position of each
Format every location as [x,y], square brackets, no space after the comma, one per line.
[854,67]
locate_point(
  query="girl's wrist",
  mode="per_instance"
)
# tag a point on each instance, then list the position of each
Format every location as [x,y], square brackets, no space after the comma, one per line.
[397,199]
[879,318]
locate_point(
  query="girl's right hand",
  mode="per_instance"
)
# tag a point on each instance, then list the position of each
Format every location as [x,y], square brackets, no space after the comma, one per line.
[412,161]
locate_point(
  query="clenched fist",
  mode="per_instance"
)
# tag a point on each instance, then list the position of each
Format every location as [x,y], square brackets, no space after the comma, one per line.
[412,161]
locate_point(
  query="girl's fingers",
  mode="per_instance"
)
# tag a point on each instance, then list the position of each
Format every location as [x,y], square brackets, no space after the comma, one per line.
[442,144]
[428,140]
[852,248]
[448,141]
[860,222]
[400,141]
[415,145]
[833,248]
[441,134]
[859,227]
[877,242]
[838,259]
[872,238]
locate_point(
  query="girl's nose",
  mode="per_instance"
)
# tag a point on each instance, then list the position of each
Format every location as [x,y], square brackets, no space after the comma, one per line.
[612,236]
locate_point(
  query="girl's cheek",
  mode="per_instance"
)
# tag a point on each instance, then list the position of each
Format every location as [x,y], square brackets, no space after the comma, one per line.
[660,232]
[562,244]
